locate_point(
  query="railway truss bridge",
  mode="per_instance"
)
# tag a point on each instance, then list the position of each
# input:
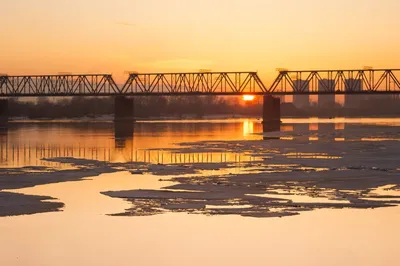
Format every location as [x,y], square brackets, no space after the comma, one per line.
[296,83]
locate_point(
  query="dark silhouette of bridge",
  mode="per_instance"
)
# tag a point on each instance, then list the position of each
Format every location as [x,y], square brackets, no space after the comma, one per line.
[366,81]
[303,82]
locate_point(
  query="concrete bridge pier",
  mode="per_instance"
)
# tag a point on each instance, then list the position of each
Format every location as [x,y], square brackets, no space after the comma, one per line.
[123,118]
[124,109]
[271,114]
[3,113]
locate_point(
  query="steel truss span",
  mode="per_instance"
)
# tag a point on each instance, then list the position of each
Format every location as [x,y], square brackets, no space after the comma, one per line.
[365,81]
[194,83]
[58,85]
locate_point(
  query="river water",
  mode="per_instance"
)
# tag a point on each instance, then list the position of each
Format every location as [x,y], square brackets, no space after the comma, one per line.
[84,233]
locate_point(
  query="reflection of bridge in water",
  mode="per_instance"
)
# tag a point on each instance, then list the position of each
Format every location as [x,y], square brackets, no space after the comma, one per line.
[16,151]
[33,155]
[97,141]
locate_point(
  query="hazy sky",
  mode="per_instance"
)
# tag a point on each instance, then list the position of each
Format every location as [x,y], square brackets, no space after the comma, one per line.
[48,36]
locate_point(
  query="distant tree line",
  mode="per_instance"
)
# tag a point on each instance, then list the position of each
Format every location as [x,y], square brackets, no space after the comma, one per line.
[144,107]
[177,106]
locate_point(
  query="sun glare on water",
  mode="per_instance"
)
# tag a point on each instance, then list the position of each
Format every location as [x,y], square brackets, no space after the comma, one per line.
[247,98]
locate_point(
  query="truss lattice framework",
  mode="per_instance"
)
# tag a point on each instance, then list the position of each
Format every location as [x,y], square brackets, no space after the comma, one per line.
[369,81]
[58,85]
[194,83]
[337,82]
[3,79]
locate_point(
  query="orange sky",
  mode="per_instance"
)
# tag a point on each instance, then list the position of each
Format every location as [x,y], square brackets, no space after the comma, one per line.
[43,36]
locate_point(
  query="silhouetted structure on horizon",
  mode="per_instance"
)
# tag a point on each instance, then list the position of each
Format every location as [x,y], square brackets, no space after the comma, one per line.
[347,82]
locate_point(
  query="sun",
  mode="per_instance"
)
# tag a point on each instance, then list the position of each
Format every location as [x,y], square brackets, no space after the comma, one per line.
[248,98]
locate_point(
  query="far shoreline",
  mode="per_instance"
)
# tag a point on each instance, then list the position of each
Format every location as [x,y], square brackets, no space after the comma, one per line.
[108,119]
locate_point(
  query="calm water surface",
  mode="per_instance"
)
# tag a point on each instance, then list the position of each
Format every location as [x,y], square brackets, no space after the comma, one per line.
[83,234]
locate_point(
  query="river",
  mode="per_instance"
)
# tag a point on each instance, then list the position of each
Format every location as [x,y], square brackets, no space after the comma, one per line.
[86,231]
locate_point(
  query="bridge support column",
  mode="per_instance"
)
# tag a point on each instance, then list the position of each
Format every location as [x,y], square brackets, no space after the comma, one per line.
[271,114]
[123,109]
[123,119]
[3,113]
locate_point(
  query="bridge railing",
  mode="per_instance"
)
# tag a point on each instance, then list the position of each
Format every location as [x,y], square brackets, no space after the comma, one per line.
[337,82]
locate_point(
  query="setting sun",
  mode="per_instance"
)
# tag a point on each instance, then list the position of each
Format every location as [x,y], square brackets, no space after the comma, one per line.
[248,98]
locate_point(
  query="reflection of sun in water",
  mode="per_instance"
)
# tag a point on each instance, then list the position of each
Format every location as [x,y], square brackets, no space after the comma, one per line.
[248,127]
[248,98]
